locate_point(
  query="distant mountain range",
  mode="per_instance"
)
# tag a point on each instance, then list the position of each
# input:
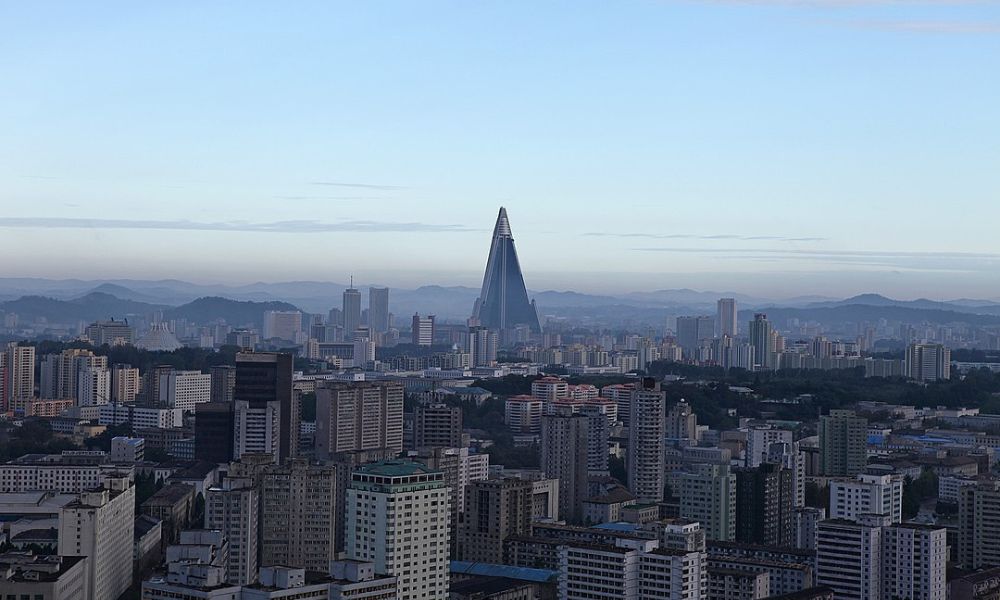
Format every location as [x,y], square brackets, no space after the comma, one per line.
[71,300]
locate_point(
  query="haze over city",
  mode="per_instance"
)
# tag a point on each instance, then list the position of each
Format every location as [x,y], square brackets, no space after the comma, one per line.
[773,148]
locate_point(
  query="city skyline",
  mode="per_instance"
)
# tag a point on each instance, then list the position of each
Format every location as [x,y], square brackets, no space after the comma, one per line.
[668,144]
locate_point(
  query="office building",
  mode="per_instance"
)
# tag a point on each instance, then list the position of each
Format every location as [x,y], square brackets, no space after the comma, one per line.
[708,495]
[233,509]
[645,463]
[185,389]
[437,425]
[256,429]
[110,333]
[298,515]
[422,332]
[762,339]
[173,506]
[264,383]
[128,450]
[351,309]
[214,425]
[843,439]
[503,302]
[378,309]
[765,505]
[71,472]
[399,520]
[979,525]
[928,362]
[726,318]
[494,510]
[282,325]
[125,383]
[223,379]
[868,494]
[358,416]
[99,526]
[564,457]
[692,330]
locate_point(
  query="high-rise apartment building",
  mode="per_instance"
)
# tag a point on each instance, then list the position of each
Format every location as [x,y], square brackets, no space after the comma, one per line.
[256,428]
[765,506]
[494,510]
[708,495]
[762,339]
[20,373]
[928,362]
[358,416]
[378,309]
[99,525]
[398,518]
[726,318]
[233,508]
[646,460]
[682,424]
[93,386]
[351,311]
[298,515]
[264,383]
[125,383]
[60,372]
[979,525]
[483,344]
[868,494]
[564,456]
[871,559]
[422,332]
[437,425]
[843,440]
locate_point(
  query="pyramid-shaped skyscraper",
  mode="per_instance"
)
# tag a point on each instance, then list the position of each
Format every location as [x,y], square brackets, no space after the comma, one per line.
[503,302]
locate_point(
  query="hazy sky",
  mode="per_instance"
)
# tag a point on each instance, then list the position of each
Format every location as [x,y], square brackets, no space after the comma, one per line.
[775,147]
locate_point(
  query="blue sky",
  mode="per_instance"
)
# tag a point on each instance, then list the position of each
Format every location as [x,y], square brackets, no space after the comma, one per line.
[763,146]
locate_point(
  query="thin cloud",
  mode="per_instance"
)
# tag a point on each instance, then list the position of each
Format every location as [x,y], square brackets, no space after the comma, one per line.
[847,3]
[840,253]
[942,27]
[303,226]
[367,186]
[691,236]
[329,198]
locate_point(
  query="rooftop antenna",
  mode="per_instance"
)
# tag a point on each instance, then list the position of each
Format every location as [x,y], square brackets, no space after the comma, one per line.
[352,282]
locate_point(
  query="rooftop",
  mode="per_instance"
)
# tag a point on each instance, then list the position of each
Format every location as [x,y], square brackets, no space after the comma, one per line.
[395,468]
[504,571]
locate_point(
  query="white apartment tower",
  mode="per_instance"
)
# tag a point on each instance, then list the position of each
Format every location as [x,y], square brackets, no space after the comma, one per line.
[398,518]
[646,448]
[868,494]
[232,508]
[99,525]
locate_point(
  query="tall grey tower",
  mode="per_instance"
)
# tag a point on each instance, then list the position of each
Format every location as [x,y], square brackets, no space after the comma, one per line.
[503,303]
[352,310]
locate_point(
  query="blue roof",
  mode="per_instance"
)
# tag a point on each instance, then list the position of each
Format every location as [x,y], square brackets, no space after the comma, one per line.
[619,526]
[491,570]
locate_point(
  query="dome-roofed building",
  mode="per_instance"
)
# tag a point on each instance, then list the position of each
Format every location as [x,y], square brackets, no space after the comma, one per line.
[158,339]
